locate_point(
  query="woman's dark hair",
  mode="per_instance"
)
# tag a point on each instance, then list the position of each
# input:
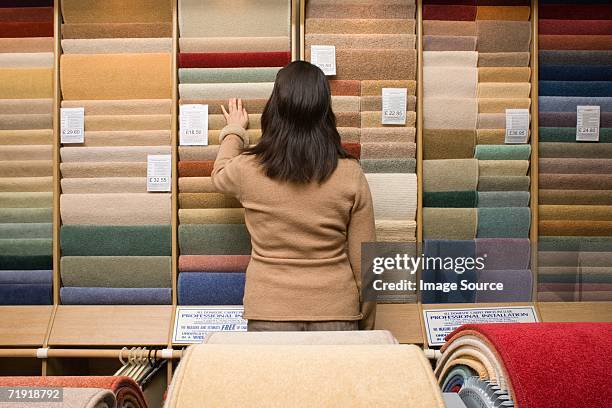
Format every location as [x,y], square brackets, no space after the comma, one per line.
[299,142]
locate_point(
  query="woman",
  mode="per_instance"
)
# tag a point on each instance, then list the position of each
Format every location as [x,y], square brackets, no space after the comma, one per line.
[307,206]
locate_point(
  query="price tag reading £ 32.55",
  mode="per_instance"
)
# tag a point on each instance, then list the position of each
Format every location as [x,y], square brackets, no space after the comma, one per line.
[194,125]
[517,126]
[394,102]
[587,124]
[159,172]
[72,122]
[324,57]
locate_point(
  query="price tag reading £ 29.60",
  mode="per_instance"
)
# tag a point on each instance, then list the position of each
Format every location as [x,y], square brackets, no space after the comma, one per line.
[587,124]
[159,172]
[72,122]
[324,57]
[194,125]
[517,126]
[394,106]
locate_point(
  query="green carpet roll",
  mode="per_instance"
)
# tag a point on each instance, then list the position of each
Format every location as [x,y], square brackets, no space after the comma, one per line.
[585,243]
[448,144]
[122,107]
[503,183]
[106,185]
[450,199]
[227,75]
[117,271]
[503,152]
[26,200]
[25,247]
[211,216]
[503,167]
[116,240]
[450,175]
[101,169]
[449,223]
[504,222]
[568,135]
[214,239]
[576,150]
[26,215]
[503,199]
[388,165]
[26,230]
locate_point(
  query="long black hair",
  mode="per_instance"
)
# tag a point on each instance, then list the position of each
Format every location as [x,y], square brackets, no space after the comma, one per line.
[299,142]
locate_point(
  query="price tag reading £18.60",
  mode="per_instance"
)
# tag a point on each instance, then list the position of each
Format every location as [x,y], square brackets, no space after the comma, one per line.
[517,126]
[324,57]
[394,102]
[587,124]
[72,122]
[194,125]
[159,172]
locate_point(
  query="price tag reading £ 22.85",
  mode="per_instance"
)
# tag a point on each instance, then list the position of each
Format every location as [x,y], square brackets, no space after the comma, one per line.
[324,57]
[517,126]
[72,122]
[194,125]
[394,102]
[587,124]
[159,172]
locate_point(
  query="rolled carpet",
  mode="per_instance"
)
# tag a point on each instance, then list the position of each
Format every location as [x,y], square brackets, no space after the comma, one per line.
[504,183]
[25,247]
[116,45]
[450,82]
[395,231]
[116,209]
[504,253]
[575,42]
[225,91]
[116,240]
[575,228]
[449,223]
[499,105]
[504,74]
[26,106]
[450,58]
[111,154]
[218,122]
[211,215]
[575,197]
[387,134]
[390,150]
[26,60]
[574,27]
[584,243]
[90,11]
[116,76]
[568,57]
[504,222]
[31,152]
[517,286]
[26,83]
[116,30]
[26,293]
[388,165]
[449,43]
[117,271]
[122,107]
[503,167]
[9,29]
[102,169]
[214,239]
[504,59]
[374,64]
[449,28]
[490,136]
[26,169]
[501,346]
[568,119]
[207,200]
[195,168]
[362,41]
[115,296]
[234,44]
[26,122]
[576,150]
[303,338]
[450,113]
[25,262]
[401,204]
[26,230]
[26,277]
[26,200]
[374,87]
[403,376]
[361,9]
[26,215]
[108,185]
[492,121]
[568,104]
[511,13]
[574,73]
[126,390]
[127,122]
[373,119]
[227,75]
[198,153]
[214,105]
[450,199]
[213,263]
[211,288]
[104,138]
[345,87]
[448,144]
[503,36]
[504,198]
[196,185]
[26,44]
[575,88]
[233,60]
[503,152]
[504,90]
[359,26]
[575,166]
[568,135]
[450,175]
[449,12]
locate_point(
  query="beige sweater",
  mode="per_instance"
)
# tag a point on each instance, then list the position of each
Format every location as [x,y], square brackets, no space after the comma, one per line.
[306,239]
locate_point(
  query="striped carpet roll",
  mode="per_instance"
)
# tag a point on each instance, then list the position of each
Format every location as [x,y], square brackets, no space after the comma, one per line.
[211,288]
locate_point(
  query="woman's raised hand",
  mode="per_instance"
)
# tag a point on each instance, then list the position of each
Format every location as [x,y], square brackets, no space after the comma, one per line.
[237,114]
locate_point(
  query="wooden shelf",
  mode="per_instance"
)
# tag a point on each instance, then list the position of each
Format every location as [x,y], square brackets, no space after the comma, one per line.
[111,326]
[576,311]
[402,320]
[24,326]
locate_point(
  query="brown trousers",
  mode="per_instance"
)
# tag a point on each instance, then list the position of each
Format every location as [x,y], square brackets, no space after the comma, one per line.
[335,325]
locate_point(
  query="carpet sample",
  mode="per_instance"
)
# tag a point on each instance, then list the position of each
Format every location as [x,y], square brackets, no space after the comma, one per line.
[406,378]
[518,286]
[576,11]
[234,60]
[122,107]
[575,228]
[575,166]
[385,165]
[25,14]
[26,215]
[26,277]
[214,105]
[116,30]
[450,82]
[115,296]
[504,59]
[568,104]
[450,59]
[95,123]
[503,199]
[578,42]
[211,288]
[502,152]
[106,185]
[449,113]
[395,231]
[116,240]
[26,60]
[213,263]
[196,185]
[303,338]
[504,74]
[26,137]
[504,183]
[388,134]
[126,138]
[227,75]
[116,45]
[345,87]
[25,153]
[448,144]
[214,239]
[575,212]
[387,206]
[26,184]
[374,87]
[449,43]
[117,271]
[575,197]
[504,253]
[26,106]
[110,154]
[362,9]
[575,88]
[26,200]
[359,26]
[506,222]
[450,175]
[218,122]
[578,57]
[234,44]
[101,169]
[574,73]
[198,153]
[576,150]
[575,182]
[449,223]
[503,167]
[115,11]
[28,44]
[207,200]
[27,231]
[387,150]
[449,28]
[211,215]
[25,293]
[504,90]
[510,13]
[450,199]
[362,41]
[26,83]
[116,76]
[26,168]
[490,136]
[195,168]
[449,12]
[503,36]
[568,119]
[226,91]
[27,29]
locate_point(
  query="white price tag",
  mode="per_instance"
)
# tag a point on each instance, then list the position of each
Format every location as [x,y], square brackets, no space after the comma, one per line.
[394,102]
[72,121]
[324,57]
[587,124]
[194,125]
[441,322]
[159,172]
[193,323]
[517,126]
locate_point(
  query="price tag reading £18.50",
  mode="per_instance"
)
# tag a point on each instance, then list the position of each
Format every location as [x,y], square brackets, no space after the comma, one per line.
[159,172]
[587,125]
[72,122]
[394,102]
[517,126]
[324,57]
[194,125]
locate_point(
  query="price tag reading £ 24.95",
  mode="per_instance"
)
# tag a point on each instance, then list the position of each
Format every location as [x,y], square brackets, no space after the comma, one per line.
[194,125]
[587,124]
[72,122]
[394,102]
[324,57]
[517,126]
[159,172]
